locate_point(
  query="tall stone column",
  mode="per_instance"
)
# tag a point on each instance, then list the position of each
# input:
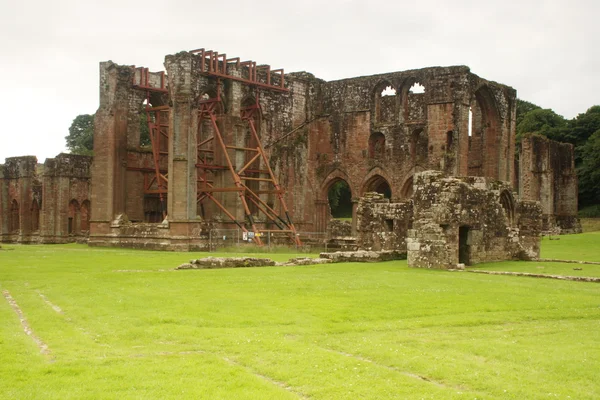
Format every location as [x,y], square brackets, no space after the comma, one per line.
[110,146]
[183,126]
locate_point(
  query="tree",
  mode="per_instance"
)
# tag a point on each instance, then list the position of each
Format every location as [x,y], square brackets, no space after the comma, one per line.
[543,121]
[589,171]
[81,135]
[523,107]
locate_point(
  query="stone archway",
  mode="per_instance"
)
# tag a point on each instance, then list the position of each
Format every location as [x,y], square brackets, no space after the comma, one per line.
[406,192]
[377,183]
[485,135]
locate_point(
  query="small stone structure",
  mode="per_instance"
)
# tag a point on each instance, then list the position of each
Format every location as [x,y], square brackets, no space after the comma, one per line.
[451,221]
[470,220]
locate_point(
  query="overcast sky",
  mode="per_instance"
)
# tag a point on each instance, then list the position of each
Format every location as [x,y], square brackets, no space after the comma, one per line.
[548,50]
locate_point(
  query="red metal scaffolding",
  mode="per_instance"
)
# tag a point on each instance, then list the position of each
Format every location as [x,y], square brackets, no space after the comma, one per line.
[214,153]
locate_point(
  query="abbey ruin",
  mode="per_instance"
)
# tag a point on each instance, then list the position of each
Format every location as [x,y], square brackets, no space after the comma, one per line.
[428,157]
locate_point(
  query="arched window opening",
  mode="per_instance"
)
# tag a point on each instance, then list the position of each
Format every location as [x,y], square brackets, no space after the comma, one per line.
[74,221]
[470,121]
[385,103]
[415,107]
[507,203]
[407,190]
[339,196]
[85,216]
[417,88]
[380,185]
[14,222]
[388,91]
[377,146]
[484,146]
[35,216]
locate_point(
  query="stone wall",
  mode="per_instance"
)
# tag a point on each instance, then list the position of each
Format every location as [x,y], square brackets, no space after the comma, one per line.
[376,133]
[470,220]
[382,225]
[46,203]
[547,174]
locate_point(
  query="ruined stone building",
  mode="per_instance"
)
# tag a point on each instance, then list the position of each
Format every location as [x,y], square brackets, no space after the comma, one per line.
[45,203]
[240,146]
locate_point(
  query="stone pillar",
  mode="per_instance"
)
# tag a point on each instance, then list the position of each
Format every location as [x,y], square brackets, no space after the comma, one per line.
[110,146]
[321,215]
[182,139]
[354,215]
[3,203]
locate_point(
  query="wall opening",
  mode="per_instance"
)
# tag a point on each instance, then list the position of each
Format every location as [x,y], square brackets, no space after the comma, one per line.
[377,146]
[339,196]
[35,216]
[380,185]
[415,108]
[508,204]
[407,190]
[14,223]
[388,91]
[484,144]
[153,209]
[385,103]
[417,88]
[463,245]
[389,225]
[470,121]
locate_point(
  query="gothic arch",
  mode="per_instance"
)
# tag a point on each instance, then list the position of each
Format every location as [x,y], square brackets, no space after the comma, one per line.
[386,102]
[413,104]
[334,176]
[406,192]
[508,204]
[485,141]
[377,181]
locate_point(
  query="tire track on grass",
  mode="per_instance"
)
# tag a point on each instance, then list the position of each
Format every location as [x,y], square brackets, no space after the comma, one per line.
[44,349]
[394,369]
[272,381]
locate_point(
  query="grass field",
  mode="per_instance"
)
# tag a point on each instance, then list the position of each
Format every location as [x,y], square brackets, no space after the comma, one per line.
[121,324]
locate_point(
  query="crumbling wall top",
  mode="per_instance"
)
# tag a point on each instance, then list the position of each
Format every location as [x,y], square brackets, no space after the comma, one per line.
[68,165]
[20,167]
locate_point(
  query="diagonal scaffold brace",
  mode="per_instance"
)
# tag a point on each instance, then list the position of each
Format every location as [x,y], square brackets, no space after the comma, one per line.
[284,224]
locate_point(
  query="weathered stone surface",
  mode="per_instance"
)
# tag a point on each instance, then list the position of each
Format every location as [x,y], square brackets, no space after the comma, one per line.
[227,262]
[306,261]
[547,174]
[469,220]
[374,132]
[364,256]
[47,203]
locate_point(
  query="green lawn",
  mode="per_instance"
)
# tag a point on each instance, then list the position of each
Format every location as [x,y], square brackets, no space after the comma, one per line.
[122,324]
